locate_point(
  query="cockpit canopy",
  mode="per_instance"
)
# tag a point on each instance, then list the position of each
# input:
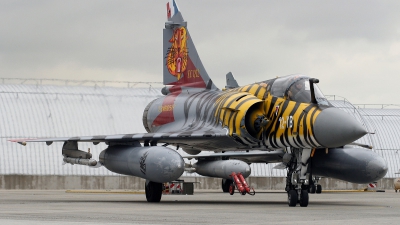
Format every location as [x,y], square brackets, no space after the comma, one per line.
[297,88]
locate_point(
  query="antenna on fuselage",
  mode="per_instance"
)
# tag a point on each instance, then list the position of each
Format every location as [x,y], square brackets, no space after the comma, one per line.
[230,81]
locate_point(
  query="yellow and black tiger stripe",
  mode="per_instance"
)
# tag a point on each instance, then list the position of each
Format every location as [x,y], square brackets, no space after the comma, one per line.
[289,123]
[258,90]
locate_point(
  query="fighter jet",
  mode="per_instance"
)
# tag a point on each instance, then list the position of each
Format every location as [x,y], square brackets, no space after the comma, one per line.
[285,119]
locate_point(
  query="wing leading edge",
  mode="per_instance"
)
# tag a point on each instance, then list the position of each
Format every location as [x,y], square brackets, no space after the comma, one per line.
[203,140]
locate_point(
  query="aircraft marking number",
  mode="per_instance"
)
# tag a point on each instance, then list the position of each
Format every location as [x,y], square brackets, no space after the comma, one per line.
[285,122]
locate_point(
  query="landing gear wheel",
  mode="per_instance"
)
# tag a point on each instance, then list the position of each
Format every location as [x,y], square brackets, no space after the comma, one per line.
[226,183]
[153,191]
[292,198]
[304,198]
[311,189]
[232,189]
[319,189]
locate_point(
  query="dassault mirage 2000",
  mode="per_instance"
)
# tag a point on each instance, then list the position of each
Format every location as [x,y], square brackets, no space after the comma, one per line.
[286,120]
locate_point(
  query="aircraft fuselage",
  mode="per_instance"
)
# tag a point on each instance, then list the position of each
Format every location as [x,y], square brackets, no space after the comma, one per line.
[250,115]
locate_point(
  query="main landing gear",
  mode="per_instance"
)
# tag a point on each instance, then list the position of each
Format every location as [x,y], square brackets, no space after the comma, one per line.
[226,183]
[314,186]
[298,176]
[153,191]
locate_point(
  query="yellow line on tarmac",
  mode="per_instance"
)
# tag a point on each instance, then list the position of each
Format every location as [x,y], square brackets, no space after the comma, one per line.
[361,190]
[106,191]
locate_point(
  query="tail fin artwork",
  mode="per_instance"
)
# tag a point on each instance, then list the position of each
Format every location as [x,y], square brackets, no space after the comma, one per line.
[182,65]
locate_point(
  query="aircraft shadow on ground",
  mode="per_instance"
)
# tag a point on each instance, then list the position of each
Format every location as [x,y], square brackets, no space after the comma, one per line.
[207,202]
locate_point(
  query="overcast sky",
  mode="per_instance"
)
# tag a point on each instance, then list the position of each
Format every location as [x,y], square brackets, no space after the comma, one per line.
[353,47]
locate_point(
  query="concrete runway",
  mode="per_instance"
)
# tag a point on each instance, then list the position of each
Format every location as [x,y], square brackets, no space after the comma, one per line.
[59,207]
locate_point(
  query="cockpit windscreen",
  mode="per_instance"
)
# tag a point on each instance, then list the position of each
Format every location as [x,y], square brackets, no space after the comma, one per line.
[297,88]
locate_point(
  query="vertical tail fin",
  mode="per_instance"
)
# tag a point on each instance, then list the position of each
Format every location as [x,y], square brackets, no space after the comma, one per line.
[182,65]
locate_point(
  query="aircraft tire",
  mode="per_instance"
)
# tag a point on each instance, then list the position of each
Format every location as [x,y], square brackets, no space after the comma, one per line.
[292,198]
[319,189]
[304,198]
[225,184]
[311,189]
[153,191]
[232,189]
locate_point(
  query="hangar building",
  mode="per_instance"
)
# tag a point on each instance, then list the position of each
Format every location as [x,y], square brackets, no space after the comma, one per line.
[44,108]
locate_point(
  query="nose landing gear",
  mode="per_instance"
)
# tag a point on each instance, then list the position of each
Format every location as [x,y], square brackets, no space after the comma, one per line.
[298,177]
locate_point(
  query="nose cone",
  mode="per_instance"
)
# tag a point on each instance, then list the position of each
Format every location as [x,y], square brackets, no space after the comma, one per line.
[334,128]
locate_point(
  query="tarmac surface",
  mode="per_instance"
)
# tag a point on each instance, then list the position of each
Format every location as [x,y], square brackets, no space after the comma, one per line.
[211,207]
